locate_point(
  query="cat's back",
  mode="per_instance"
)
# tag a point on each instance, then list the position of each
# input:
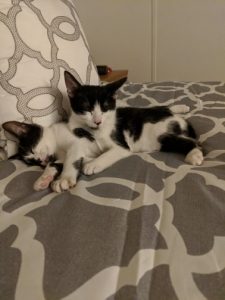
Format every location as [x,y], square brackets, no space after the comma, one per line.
[140,128]
[150,114]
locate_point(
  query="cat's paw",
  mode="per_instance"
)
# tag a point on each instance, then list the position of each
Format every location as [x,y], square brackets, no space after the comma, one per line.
[180,109]
[63,184]
[43,182]
[92,167]
[195,157]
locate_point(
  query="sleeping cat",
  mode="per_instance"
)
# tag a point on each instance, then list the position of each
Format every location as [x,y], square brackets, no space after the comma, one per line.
[41,146]
[100,134]
[46,147]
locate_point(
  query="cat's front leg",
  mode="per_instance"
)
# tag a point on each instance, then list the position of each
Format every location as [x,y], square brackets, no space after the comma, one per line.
[68,177]
[64,183]
[105,160]
[51,171]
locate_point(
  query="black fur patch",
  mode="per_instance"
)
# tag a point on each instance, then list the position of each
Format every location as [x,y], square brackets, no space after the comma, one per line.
[78,164]
[29,141]
[132,119]
[58,166]
[174,127]
[88,96]
[118,137]
[191,132]
[176,144]
[82,133]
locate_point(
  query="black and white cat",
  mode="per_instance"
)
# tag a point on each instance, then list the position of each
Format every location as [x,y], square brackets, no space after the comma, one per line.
[101,134]
[119,132]
[42,146]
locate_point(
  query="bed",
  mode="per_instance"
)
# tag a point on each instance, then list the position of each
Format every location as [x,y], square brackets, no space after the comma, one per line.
[149,227]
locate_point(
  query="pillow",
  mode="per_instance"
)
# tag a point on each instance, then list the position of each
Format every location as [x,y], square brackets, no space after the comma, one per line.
[39,41]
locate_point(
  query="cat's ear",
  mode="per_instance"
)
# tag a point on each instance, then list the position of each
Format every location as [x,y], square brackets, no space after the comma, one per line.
[17,129]
[71,84]
[114,86]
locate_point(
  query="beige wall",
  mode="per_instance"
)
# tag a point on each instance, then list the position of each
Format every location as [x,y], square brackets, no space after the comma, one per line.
[190,40]
[118,32]
[157,40]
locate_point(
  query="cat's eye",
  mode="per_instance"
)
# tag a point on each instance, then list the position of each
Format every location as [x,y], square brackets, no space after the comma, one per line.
[86,106]
[105,106]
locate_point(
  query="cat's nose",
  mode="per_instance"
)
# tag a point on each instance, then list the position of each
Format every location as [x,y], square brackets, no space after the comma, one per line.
[98,122]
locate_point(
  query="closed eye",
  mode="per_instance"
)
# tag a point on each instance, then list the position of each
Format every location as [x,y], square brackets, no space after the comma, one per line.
[86,106]
[32,161]
[84,103]
[105,106]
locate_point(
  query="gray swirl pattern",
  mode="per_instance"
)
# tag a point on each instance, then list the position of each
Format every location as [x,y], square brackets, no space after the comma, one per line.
[149,227]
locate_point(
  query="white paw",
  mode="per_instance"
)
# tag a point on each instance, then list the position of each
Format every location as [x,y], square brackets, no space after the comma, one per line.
[43,182]
[185,109]
[63,184]
[91,168]
[180,109]
[195,157]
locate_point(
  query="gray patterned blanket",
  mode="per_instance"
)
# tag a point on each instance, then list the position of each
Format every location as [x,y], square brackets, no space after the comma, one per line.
[149,227]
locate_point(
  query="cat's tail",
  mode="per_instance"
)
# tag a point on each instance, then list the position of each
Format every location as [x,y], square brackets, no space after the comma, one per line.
[180,109]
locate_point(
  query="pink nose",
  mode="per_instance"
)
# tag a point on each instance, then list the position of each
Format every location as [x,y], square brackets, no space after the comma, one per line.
[98,122]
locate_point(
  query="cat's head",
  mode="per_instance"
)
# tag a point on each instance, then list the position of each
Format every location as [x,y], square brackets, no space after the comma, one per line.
[32,147]
[92,104]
